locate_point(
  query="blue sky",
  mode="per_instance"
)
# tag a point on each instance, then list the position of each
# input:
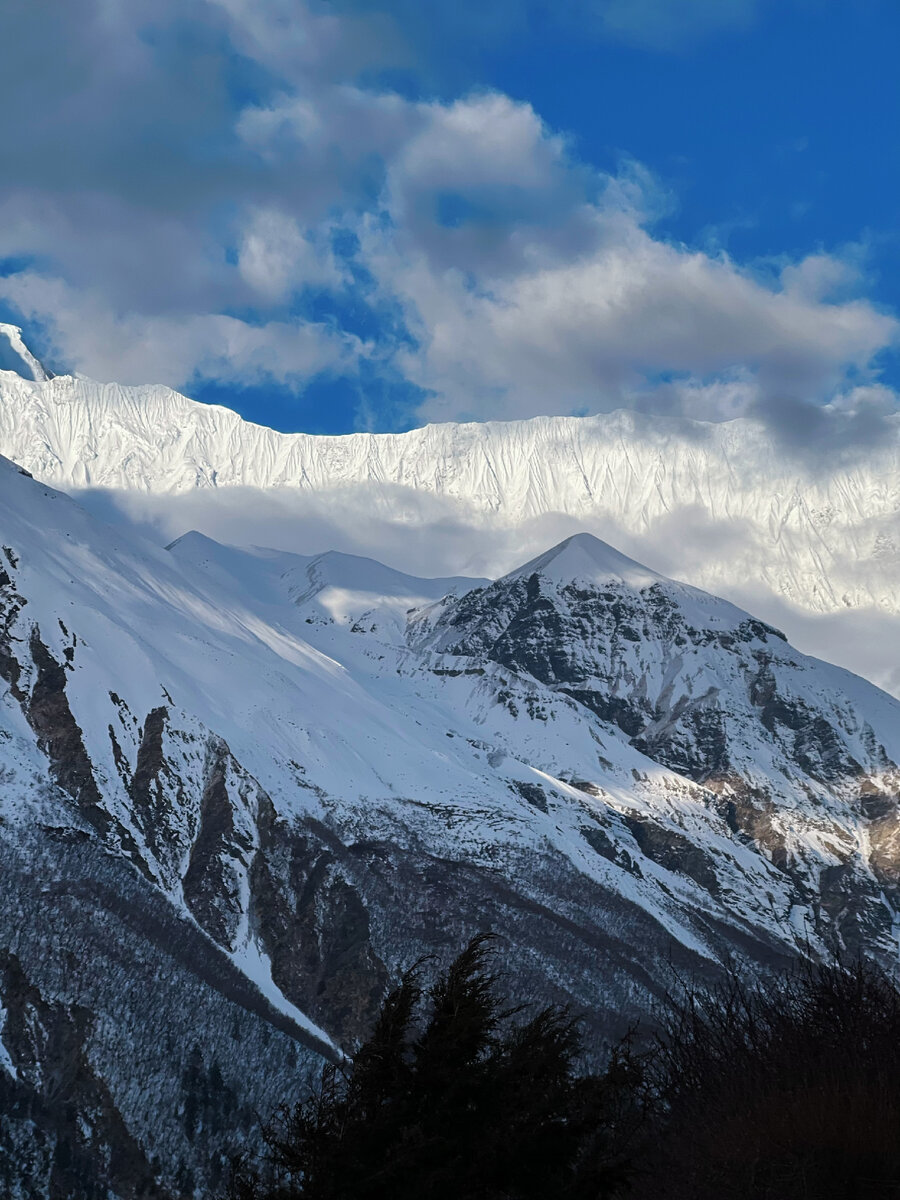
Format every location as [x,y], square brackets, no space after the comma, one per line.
[368,214]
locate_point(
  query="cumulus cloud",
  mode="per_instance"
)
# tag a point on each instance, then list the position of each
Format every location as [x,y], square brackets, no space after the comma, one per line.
[599,312]
[177,202]
[307,43]
[277,257]
[139,348]
[533,285]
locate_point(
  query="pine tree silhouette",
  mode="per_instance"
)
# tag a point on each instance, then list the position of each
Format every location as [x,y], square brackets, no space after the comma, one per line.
[465,1103]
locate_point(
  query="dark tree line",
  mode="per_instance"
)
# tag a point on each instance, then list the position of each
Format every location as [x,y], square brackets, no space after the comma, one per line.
[786,1091]
[772,1093]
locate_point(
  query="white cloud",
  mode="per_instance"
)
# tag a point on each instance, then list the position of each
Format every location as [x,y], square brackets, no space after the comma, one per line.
[592,329]
[137,348]
[530,282]
[276,257]
[308,44]
[822,276]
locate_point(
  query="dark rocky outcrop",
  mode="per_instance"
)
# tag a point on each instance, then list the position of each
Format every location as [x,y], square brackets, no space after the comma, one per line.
[211,886]
[314,925]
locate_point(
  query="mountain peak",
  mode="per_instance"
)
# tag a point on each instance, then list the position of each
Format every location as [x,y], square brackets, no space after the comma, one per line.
[15,355]
[586,558]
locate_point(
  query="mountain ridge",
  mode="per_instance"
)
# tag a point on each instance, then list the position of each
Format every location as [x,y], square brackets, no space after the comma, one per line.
[718,505]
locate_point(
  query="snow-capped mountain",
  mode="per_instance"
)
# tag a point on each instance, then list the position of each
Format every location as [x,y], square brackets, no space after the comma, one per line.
[244,788]
[719,505]
[800,755]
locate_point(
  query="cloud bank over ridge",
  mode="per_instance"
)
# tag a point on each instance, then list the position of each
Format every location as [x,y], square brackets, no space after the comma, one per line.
[433,536]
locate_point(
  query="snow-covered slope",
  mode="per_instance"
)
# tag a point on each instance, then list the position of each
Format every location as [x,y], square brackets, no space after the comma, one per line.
[717,504]
[585,559]
[341,586]
[272,785]
[230,776]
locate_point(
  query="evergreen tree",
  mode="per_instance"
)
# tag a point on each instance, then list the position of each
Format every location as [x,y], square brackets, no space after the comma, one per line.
[461,1102]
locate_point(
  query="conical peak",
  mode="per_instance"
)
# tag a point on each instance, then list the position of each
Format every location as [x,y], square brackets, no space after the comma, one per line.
[583,557]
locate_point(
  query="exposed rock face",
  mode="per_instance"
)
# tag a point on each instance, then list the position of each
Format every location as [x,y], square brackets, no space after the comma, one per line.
[622,653]
[794,764]
[152,801]
[884,836]
[58,733]
[314,925]
[221,849]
